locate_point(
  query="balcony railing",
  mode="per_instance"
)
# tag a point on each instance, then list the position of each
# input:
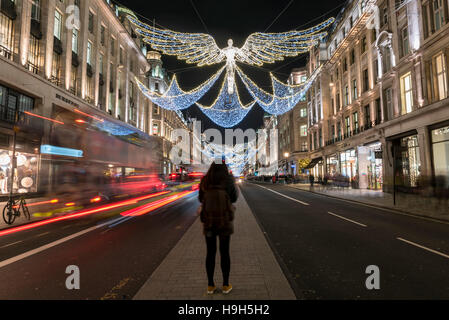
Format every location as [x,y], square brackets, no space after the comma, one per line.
[5,52]
[32,67]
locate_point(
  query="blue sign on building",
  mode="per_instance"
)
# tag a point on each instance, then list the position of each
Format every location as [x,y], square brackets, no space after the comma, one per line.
[48,149]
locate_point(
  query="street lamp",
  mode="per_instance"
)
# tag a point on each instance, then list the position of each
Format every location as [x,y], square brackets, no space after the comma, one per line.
[286,155]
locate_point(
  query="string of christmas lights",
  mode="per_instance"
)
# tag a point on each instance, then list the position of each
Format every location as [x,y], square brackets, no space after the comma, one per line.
[175,98]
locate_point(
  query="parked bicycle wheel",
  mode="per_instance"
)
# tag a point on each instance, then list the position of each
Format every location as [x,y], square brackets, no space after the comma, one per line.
[9,214]
[26,212]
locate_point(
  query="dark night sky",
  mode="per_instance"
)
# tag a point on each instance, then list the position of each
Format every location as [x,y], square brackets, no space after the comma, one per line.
[235,19]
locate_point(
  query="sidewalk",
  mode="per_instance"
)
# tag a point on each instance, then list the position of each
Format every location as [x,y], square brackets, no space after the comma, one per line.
[255,273]
[413,204]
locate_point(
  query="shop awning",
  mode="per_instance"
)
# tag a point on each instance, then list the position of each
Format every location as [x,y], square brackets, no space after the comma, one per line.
[314,163]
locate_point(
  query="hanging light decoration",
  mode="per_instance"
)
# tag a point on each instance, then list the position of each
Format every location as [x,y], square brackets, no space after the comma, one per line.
[202,50]
[227,110]
[284,98]
[175,98]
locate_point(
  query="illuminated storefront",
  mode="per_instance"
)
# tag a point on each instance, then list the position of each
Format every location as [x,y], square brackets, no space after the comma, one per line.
[408,161]
[370,166]
[333,165]
[348,162]
[25,174]
[440,154]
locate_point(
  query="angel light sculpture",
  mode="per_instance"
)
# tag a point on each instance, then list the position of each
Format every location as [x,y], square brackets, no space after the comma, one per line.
[259,49]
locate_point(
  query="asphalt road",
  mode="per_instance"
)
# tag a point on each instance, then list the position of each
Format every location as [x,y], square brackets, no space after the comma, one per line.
[114,257]
[325,245]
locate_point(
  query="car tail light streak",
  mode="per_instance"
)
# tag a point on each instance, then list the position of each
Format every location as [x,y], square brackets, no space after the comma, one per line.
[155,205]
[80,214]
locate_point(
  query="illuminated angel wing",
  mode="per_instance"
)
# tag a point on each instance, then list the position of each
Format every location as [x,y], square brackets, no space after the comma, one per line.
[196,48]
[261,48]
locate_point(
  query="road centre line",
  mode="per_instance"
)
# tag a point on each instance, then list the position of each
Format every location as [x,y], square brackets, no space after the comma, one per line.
[425,248]
[283,195]
[352,221]
[11,244]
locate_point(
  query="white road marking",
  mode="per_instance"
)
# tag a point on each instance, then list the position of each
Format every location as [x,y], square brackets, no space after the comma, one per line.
[425,248]
[355,222]
[48,246]
[42,234]
[11,244]
[283,195]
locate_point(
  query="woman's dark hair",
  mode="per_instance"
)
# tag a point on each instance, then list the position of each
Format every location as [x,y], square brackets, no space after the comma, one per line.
[218,174]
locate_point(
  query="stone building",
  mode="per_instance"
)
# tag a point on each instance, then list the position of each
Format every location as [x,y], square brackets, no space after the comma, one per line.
[378,111]
[292,130]
[72,60]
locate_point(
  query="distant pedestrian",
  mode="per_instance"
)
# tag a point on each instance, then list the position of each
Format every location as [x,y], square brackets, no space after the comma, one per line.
[217,193]
[273,179]
[311,180]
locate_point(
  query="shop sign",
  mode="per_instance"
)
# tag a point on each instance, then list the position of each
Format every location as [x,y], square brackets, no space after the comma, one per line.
[68,101]
[48,149]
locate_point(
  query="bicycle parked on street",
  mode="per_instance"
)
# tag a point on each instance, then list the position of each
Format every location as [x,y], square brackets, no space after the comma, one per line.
[13,209]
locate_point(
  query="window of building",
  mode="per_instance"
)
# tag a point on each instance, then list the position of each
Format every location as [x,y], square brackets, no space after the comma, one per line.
[7,38]
[89,53]
[75,33]
[388,96]
[74,81]
[367,113]
[345,64]
[303,113]
[303,131]
[103,35]
[352,56]
[440,148]
[363,45]
[56,69]
[34,55]
[441,75]
[121,55]
[35,10]
[407,93]
[346,102]
[58,25]
[348,126]
[155,129]
[410,161]
[378,111]
[304,146]
[365,80]
[438,14]
[90,89]
[320,138]
[338,102]
[355,121]
[91,22]
[354,89]
[112,47]
[339,130]
[101,66]
[384,20]
[404,42]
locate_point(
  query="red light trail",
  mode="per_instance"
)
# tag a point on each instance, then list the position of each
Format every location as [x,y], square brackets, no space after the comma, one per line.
[155,205]
[80,214]
[45,118]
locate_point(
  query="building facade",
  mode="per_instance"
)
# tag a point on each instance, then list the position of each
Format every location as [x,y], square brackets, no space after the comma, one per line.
[60,60]
[378,111]
[293,131]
